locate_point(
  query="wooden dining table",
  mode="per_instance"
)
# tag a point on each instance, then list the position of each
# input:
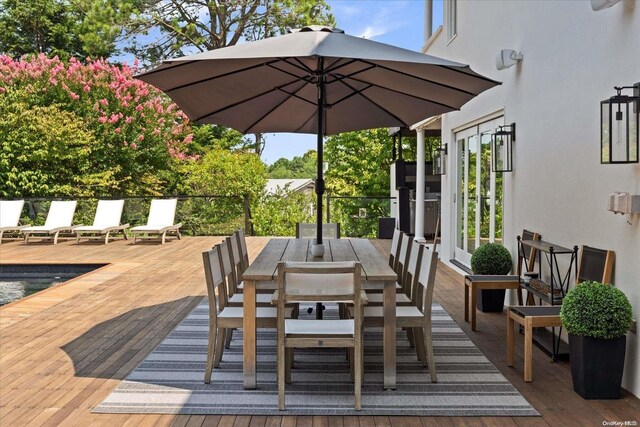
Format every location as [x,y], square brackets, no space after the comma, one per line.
[375,270]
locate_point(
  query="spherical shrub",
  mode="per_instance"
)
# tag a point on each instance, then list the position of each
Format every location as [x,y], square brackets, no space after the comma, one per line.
[593,309]
[491,258]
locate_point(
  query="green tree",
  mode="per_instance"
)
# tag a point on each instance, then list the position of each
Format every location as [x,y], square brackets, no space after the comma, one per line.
[187,26]
[225,173]
[46,152]
[66,28]
[277,214]
[304,166]
[228,175]
[180,27]
[359,163]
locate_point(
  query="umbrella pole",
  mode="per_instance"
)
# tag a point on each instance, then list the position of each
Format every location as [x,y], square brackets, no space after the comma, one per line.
[320,179]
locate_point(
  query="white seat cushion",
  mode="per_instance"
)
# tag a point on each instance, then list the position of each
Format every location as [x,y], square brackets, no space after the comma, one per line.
[405,311]
[378,298]
[261,312]
[260,299]
[318,327]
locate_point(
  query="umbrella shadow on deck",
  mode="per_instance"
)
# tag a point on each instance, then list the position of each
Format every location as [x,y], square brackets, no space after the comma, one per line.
[113,348]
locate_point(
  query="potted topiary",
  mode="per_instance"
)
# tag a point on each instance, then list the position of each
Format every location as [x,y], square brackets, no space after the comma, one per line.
[597,318]
[495,259]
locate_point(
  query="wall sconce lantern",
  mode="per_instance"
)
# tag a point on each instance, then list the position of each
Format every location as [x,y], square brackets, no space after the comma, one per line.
[440,160]
[619,123]
[501,148]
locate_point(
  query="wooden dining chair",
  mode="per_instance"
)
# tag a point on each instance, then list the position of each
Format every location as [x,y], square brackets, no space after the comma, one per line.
[394,252]
[242,242]
[326,282]
[222,318]
[410,277]
[398,258]
[233,257]
[305,230]
[416,317]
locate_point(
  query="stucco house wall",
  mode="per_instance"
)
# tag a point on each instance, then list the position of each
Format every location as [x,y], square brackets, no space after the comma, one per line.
[573,57]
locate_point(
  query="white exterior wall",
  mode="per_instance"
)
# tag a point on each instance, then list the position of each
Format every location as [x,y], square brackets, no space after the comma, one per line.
[573,57]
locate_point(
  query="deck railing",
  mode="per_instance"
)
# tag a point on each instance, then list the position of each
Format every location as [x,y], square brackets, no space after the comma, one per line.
[215,215]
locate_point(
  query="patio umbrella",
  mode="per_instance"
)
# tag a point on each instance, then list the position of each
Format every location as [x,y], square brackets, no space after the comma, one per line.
[315,80]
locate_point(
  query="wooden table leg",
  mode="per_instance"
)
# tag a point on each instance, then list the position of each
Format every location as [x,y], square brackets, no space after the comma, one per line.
[389,335]
[473,306]
[466,301]
[528,348]
[249,334]
[510,338]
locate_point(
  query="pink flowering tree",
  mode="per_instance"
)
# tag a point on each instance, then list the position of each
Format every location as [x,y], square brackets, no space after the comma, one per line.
[128,136]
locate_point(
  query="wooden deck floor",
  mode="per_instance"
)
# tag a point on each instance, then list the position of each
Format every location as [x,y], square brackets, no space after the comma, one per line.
[63,350]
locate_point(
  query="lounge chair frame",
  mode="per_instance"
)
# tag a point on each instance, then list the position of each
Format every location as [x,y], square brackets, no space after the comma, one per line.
[13,230]
[52,233]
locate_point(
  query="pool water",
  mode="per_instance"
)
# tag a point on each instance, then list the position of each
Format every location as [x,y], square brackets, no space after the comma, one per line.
[21,280]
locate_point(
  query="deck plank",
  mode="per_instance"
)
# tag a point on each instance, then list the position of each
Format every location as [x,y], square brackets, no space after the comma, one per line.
[64,350]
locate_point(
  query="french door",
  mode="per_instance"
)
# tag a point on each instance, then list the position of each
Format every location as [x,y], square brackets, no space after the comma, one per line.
[478,198]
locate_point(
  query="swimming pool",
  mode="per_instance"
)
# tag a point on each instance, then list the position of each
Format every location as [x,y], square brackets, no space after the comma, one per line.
[21,280]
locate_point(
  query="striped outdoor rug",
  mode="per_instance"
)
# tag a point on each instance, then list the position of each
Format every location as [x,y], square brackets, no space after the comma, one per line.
[170,379]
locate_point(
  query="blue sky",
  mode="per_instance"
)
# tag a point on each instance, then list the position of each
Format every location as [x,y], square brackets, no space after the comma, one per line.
[396,22]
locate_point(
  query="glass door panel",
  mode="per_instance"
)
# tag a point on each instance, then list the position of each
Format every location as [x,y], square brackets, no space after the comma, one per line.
[479,192]
[473,212]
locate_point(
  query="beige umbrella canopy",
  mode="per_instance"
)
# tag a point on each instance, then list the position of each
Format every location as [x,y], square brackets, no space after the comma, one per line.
[315,80]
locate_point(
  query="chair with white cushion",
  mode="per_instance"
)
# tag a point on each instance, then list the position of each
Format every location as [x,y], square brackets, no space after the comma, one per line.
[160,222]
[305,230]
[10,211]
[59,219]
[324,282]
[106,221]
[409,281]
[223,318]
[417,316]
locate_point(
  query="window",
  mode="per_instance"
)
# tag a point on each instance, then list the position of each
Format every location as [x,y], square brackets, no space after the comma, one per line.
[450,18]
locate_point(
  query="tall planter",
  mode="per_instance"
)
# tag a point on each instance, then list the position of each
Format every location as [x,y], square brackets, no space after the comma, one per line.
[597,318]
[597,365]
[490,300]
[493,259]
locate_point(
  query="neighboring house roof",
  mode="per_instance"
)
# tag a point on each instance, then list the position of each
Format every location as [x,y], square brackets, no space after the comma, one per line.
[289,184]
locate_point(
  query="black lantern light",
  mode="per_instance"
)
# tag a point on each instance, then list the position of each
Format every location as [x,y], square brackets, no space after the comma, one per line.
[440,160]
[501,148]
[619,123]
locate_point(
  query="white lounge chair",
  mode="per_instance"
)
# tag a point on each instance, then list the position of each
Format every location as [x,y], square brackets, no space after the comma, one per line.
[10,211]
[160,222]
[106,221]
[59,220]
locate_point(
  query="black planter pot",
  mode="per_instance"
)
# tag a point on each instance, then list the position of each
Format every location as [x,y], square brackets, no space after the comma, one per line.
[596,366]
[490,300]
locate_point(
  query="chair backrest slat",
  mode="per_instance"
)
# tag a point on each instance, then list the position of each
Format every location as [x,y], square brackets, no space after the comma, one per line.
[10,211]
[243,249]
[326,281]
[395,248]
[528,253]
[162,212]
[236,261]
[403,257]
[60,213]
[595,264]
[308,231]
[108,213]
[411,275]
[426,280]
[213,277]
